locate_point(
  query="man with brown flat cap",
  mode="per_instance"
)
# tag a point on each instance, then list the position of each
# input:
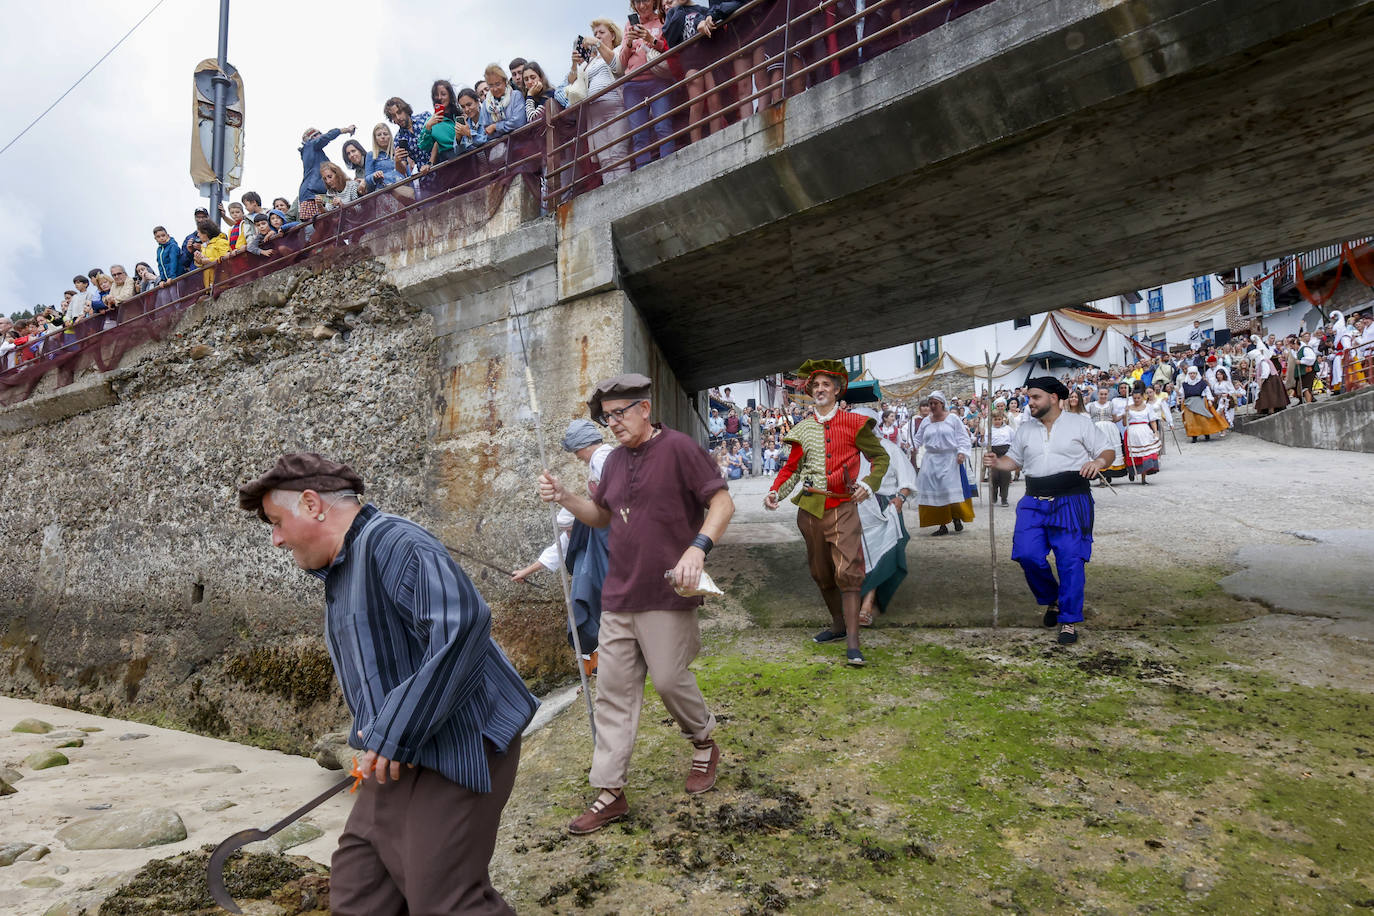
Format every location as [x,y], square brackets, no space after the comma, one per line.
[666,504]
[410,639]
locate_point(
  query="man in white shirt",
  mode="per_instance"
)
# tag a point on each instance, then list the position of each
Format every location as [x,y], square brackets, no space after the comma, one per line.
[1060,452]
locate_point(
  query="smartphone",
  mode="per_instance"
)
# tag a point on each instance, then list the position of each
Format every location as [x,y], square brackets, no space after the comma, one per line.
[634,19]
[438,111]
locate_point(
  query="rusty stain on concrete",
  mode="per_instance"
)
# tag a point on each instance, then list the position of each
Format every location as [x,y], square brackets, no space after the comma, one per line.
[775,126]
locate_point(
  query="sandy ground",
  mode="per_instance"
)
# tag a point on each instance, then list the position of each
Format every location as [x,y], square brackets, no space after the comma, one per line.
[1212,502]
[154,771]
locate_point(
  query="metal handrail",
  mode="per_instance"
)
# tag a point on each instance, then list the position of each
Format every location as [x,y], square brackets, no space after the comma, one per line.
[550,154]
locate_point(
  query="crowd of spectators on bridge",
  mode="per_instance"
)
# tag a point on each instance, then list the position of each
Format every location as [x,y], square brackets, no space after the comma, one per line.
[623,71]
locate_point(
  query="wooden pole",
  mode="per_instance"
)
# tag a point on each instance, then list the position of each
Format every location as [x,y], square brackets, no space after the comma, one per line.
[992,502]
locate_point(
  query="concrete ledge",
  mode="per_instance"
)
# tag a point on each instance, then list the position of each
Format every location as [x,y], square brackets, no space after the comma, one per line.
[1345,423]
[90,393]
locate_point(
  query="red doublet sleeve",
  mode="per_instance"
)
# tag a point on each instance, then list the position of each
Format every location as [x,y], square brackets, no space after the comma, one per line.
[794,457]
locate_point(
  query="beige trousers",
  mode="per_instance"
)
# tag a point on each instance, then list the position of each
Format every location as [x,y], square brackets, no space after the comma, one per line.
[661,644]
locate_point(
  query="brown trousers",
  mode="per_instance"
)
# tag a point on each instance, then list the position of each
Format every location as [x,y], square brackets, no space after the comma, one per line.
[420,846]
[834,547]
[634,643]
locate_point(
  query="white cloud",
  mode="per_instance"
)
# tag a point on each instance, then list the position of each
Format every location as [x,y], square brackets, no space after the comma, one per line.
[85,187]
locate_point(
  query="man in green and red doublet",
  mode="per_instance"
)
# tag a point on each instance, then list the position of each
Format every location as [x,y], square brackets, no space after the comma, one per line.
[824,460]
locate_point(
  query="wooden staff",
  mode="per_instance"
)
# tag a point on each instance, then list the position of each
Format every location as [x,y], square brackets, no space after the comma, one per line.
[992,503]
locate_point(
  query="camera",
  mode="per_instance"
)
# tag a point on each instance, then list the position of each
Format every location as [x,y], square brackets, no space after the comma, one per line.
[579,45]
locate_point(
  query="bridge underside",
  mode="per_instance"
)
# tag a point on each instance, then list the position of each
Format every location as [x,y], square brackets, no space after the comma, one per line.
[1146,141]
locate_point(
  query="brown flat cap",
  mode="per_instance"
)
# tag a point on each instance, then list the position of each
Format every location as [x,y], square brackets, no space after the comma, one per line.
[629,387]
[299,471]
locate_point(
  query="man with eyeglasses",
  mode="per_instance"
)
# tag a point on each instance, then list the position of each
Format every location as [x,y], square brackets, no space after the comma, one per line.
[667,505]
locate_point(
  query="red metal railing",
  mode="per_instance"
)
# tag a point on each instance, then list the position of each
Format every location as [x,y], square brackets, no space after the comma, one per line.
[805,41]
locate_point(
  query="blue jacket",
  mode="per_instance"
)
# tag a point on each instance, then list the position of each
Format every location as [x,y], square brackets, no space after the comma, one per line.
[312,157]
[515,114]
[169,265]
[380,163]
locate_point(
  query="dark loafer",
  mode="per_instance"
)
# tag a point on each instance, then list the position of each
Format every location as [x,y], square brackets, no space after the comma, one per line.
[1051,615]
[958,525]
[943,531]
[599,815]
[702,775]
[829,635]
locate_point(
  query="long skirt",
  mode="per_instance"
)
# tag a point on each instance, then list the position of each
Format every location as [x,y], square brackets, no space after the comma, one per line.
[1142,449]
[1118,466]
[938,490]
[885,540]
[1196,423]
[1272,395]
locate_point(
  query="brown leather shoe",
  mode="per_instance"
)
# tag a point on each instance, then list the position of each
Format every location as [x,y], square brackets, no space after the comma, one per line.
[599,815]
[702,775]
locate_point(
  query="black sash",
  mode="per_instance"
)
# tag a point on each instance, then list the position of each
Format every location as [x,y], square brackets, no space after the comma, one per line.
[1057,484]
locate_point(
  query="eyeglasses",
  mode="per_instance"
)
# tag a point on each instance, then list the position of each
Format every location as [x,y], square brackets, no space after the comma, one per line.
[617,414]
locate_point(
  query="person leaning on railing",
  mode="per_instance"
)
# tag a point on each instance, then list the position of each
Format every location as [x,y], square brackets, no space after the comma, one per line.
[538,92]
[170,263]
[504,107]
[214,245]
[685,21]
[471,126]
[644,42]
[312,157]
[593,62]
[438,137]
[339,189]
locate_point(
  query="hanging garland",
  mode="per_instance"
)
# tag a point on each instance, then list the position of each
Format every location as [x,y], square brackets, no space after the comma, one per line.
[1348,254]
[1080,353]
[1319,300]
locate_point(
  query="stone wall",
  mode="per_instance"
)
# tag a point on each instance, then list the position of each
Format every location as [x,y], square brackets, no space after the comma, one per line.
[138,584]
[1344,422]
[140,588]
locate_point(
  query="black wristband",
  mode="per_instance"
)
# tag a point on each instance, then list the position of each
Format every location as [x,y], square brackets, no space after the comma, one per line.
[703,543]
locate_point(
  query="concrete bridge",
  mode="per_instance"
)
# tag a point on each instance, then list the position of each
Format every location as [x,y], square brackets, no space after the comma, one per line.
[1028,155]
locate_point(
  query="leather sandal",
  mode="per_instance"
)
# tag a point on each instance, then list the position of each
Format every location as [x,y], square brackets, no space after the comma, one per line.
[599,815]
[702,774]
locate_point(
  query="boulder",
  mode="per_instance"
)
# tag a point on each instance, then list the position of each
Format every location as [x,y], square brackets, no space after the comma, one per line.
[289,836]
[217,804]
[33,854]
[132,736]
[42,760]
[10,776]
[41,881]
[32,727]
[332,751]
[91,729]
[221,768]
[10,852]
[74,742]
[6,788]
[66,734]
[124,830]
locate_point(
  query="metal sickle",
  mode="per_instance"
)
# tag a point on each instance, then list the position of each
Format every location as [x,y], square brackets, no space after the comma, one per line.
[214,869]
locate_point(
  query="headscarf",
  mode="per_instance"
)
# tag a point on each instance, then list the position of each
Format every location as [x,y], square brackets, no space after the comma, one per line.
[580,434]
[937,395]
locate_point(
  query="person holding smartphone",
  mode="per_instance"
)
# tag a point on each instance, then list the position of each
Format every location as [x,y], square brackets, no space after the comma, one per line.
[644,94]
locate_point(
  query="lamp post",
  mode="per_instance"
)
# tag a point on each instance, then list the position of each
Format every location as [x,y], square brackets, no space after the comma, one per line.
[221,81]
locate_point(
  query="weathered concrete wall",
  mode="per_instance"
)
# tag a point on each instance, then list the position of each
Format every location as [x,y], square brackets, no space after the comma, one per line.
[1345,422]
[142,589]
[137,583]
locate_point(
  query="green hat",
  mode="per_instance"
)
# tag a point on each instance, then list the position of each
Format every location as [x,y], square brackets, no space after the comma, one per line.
[832,367]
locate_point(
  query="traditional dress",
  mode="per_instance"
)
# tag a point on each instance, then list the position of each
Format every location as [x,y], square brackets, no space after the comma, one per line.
[1226,393]
[884,530]
[824,459]
[1269,377]
[1056,514]
[940,487]
[1342,339]
[1103,414]
[1200,418]
[1142,445]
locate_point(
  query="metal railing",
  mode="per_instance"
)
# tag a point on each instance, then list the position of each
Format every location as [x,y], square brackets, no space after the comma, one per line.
[805,41]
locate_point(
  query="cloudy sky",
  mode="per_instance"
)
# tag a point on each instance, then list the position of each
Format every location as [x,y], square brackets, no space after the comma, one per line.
[85,186]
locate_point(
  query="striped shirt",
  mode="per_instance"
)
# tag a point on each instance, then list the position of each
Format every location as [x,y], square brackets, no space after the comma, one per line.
[410,638]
